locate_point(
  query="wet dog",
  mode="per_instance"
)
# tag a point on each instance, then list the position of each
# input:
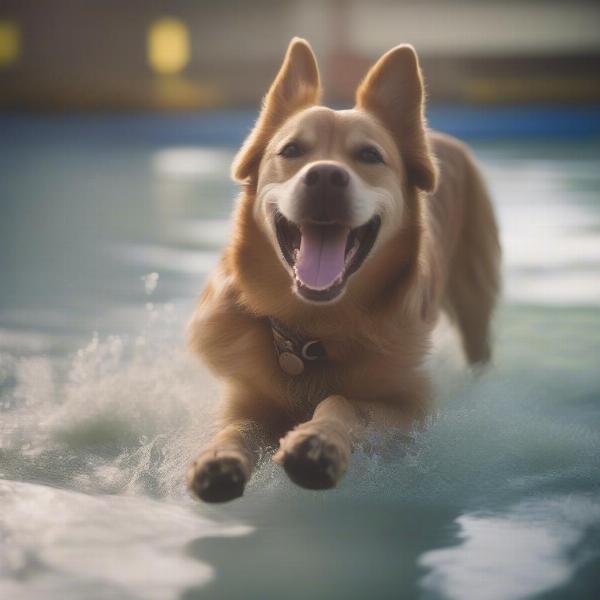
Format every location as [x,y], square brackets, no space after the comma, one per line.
[353,230]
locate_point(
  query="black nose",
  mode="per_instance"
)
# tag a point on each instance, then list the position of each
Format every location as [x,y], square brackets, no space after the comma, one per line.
[326,175]
[324,194]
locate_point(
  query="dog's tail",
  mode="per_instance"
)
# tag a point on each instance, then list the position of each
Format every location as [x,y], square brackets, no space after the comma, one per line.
[474,279]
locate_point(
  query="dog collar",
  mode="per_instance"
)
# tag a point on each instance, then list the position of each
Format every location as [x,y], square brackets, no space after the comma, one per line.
[294,350]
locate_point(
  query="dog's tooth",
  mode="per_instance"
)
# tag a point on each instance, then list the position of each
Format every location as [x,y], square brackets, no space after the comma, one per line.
[352,252]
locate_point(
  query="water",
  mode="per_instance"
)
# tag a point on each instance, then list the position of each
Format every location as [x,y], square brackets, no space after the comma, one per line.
[108,228]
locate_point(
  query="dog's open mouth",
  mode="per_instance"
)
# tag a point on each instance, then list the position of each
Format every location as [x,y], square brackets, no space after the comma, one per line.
[322,257]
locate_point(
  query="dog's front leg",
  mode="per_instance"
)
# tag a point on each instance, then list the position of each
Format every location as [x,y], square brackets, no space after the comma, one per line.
[223,468]
[315,454]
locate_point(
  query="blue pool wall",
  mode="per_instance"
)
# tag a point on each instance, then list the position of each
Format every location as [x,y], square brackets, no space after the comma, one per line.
[228,128]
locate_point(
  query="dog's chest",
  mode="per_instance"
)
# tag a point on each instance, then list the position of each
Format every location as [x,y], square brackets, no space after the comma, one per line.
[304,392]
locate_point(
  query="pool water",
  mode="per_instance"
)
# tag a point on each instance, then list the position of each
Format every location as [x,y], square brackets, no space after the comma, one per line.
[108,228]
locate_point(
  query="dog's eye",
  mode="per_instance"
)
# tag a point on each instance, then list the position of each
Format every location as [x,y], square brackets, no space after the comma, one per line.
[291,150]
[369,155]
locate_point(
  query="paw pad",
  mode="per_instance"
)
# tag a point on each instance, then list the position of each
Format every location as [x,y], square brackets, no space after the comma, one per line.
[314,463]
[218,479]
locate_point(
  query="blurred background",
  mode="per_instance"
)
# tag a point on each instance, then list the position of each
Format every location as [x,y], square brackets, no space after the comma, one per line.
[118,123]
[192,54]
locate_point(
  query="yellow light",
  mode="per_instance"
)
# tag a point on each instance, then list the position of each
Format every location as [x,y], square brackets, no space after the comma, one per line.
[168,45]
[10,43]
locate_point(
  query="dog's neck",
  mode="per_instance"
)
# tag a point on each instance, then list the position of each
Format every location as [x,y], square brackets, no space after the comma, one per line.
[295,350]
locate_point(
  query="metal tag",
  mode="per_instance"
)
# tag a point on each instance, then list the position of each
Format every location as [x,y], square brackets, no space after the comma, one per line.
[290,363]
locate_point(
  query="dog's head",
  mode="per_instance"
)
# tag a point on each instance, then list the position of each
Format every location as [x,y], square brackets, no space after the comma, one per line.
[330,187]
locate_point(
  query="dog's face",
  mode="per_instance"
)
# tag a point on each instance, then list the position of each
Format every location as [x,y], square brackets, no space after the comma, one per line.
[329,189]
[330,185]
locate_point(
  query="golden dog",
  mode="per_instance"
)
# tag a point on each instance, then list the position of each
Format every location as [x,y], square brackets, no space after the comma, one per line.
[353,230]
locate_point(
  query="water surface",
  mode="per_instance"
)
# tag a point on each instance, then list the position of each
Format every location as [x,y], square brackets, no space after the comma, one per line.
[108,228]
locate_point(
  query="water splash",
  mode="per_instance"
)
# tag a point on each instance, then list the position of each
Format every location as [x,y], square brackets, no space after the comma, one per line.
[150,283]
[126,414]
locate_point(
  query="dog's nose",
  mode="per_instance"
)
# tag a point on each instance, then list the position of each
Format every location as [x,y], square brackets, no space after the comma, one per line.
[326,175]
[325,194]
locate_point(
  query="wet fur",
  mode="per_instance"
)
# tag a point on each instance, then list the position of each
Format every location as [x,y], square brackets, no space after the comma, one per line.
[443,256]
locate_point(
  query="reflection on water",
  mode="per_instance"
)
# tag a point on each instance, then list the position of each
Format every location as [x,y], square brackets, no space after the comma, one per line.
[550,230]
[191,163]
[57,543]
[102,408]
[516,555]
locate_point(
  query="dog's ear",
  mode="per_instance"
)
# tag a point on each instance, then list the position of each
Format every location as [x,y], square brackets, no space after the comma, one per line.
[393,92]
[296,86]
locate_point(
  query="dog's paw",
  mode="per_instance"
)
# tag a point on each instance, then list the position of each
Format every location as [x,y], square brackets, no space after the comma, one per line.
[313,462]
[218,477]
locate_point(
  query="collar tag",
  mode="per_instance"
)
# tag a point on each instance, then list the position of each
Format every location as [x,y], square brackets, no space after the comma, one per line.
[293,350]
[291,364]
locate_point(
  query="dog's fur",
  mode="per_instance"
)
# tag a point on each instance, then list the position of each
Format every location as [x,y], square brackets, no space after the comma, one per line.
[437,248]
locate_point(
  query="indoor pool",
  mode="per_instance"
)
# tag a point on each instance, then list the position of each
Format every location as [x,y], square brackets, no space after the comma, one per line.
[108,227]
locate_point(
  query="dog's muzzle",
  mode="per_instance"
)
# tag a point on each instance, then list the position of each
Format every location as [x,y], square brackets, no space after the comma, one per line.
[321,242]
[323,195]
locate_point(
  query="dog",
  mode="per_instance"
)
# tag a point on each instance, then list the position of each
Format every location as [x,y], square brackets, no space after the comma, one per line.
[354,229]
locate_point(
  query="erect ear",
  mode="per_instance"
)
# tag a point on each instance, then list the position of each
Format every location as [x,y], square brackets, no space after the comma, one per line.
[296,86]
[393,92]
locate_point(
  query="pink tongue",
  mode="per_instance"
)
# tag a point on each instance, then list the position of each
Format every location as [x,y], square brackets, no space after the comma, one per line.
[321,257]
